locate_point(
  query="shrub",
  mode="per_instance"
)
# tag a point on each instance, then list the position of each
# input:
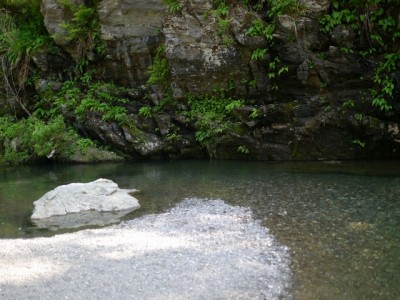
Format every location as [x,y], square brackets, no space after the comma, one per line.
[173,5]
[159,71]
[22,34]
[31,138]
[84,30]
[377,25]
[212,116]
[83,95]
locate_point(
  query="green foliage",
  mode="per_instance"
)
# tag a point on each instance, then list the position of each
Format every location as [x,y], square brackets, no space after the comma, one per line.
[45,134]
[253,83]
[85,95]
[321,55]
[145,111]
[359,143]
[49,137]
[344,16]
[212,116]
[222,10]
[33,138]
[85,144]
[19,43]
[322,86]
[259,28]
[83,22]
[254,113]
[380,101]
[221,14]
[22,34]
[232,105]
[279,7]
[243,149]
[377,25]
[384,82]
[227,40]
[159,71]
[374,19]
[160,75]
[224,27]
[174,6]
[84,30]
[256,28]
[348,103]
[266,30]
[21,29]
[99,97]
[359,116]
[173,137]
[9,131]
[274,8]
[275,69]
[259,54]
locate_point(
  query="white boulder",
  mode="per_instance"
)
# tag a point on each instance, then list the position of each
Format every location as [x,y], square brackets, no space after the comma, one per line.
[101,195]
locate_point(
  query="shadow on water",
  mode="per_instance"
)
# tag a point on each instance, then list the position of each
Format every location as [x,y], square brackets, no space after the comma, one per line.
[340,220]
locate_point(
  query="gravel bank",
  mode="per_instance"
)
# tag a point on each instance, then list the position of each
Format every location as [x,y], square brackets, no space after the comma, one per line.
[201,249]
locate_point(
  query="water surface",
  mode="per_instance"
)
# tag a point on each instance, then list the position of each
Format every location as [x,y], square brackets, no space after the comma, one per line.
[340,220]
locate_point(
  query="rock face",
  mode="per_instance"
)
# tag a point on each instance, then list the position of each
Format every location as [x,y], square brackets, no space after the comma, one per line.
[55,15]
[101,195]
[318,108]
[201,60]
[130,31]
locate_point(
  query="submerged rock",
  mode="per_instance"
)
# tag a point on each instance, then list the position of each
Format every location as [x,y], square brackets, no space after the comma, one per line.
[85,203]
[93,154]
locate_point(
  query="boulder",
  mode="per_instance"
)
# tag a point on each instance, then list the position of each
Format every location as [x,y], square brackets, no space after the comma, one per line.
[101,195]
[76,220]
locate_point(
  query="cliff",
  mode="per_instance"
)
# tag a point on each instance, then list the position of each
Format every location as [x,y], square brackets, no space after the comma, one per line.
[222,79]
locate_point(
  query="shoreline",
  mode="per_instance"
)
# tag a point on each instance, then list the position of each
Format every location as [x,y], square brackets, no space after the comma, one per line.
[200,249]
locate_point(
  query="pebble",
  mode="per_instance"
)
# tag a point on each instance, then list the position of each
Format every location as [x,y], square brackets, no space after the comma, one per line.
[200,249]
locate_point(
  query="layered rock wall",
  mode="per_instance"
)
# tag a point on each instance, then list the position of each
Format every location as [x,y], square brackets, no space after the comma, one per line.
[131,32]
[301,114]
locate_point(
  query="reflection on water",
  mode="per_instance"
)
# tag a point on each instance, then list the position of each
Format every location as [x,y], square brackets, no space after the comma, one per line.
[341,221]
[89,218]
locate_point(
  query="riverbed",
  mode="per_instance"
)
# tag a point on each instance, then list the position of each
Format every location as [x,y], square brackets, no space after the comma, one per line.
[339,220]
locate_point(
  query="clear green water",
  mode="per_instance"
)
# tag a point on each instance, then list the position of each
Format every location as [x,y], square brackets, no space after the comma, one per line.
[341,221]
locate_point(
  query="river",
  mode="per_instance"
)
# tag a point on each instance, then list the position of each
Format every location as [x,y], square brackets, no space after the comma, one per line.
[341,221]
